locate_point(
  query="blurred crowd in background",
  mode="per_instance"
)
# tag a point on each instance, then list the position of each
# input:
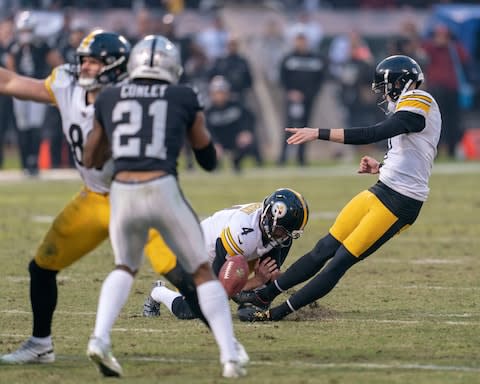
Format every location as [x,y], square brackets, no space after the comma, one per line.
[259,67]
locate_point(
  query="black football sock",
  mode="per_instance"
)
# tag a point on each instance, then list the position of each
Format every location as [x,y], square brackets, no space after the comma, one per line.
[185,284]
[303,269]
[43,298]
[279,312]
[182,310]
[324,282]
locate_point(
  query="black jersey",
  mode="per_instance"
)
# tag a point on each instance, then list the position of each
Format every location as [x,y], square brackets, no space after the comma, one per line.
[31,59]
[227,121]
[146,123]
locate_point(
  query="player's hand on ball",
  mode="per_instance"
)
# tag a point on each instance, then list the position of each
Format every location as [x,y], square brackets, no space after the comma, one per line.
[265,269]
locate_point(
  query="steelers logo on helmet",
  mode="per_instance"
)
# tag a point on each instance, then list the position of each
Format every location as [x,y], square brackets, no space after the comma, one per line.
[279,209]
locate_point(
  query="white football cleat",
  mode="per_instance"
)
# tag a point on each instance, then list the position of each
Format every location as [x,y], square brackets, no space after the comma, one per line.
[30,352]
[233,370]
[101,354]
[243,358]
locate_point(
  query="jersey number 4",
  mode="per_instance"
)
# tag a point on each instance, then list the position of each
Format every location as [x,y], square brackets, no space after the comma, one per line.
[131,145]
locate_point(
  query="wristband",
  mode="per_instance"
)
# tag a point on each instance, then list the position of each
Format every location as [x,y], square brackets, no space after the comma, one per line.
[323,134]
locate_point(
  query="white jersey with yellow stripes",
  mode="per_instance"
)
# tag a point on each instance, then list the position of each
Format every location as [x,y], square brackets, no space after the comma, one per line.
[239,230]
[77,122]
[409,159]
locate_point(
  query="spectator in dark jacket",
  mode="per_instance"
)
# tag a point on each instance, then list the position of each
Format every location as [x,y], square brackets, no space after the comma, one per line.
[231,125]
[7,119]
[444,54]
[235,69]
[30,56]
[301,75]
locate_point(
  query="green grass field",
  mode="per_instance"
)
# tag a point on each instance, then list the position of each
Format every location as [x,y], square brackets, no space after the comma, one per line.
[408,314]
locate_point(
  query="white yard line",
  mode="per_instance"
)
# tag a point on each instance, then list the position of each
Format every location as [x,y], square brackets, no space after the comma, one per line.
[298,363]
[418,318]
[331,170]
[73,313]
[292,363]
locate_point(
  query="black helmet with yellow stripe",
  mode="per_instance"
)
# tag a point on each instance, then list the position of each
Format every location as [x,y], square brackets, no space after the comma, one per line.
[284,216]
[112,49]
[395,74]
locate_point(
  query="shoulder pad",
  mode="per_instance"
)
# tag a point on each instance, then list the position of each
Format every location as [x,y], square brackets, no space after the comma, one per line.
[61,78]
[416,101]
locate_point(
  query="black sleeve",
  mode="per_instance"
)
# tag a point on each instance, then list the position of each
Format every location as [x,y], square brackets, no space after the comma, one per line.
[220,255]
[206,157]
[400,122]
[278,254]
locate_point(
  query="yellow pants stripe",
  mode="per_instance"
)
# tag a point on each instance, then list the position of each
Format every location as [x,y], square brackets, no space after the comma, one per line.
[362,222]
[82,226]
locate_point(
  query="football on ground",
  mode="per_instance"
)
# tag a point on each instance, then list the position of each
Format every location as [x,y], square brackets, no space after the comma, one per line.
[234,274]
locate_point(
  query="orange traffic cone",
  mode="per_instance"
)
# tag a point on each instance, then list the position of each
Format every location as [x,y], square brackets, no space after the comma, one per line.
[44,160]
[471,144]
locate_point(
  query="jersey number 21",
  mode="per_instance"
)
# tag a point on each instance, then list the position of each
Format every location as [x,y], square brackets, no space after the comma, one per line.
[132,146]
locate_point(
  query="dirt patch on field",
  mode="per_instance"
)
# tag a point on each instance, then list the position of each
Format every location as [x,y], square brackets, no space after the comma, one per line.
[313,311]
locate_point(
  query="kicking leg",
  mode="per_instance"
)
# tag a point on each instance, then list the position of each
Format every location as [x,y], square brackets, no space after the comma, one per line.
[300,271]
[318,287]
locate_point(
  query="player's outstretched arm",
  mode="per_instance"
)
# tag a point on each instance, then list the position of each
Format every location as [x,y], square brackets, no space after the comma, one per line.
[22,87]
[304,135]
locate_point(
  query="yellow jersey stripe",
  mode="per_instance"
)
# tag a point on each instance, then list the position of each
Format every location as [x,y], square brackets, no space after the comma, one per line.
[304,206]
[230,245]
[232,242]
[413,104]
[416,96]
[48,85]
[226,245]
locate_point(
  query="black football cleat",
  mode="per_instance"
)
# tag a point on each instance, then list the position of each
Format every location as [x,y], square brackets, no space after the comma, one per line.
[252,314]
[251,297]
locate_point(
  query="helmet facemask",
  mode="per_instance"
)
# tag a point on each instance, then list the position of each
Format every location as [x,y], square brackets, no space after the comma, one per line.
[109,74]
[277,219]
[393,77]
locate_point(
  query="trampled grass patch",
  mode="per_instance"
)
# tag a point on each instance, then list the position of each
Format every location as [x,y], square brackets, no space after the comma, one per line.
[408,314]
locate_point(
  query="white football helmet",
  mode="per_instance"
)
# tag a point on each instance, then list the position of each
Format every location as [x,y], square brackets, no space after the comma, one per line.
[25,21]
[155,57]
[25,25]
